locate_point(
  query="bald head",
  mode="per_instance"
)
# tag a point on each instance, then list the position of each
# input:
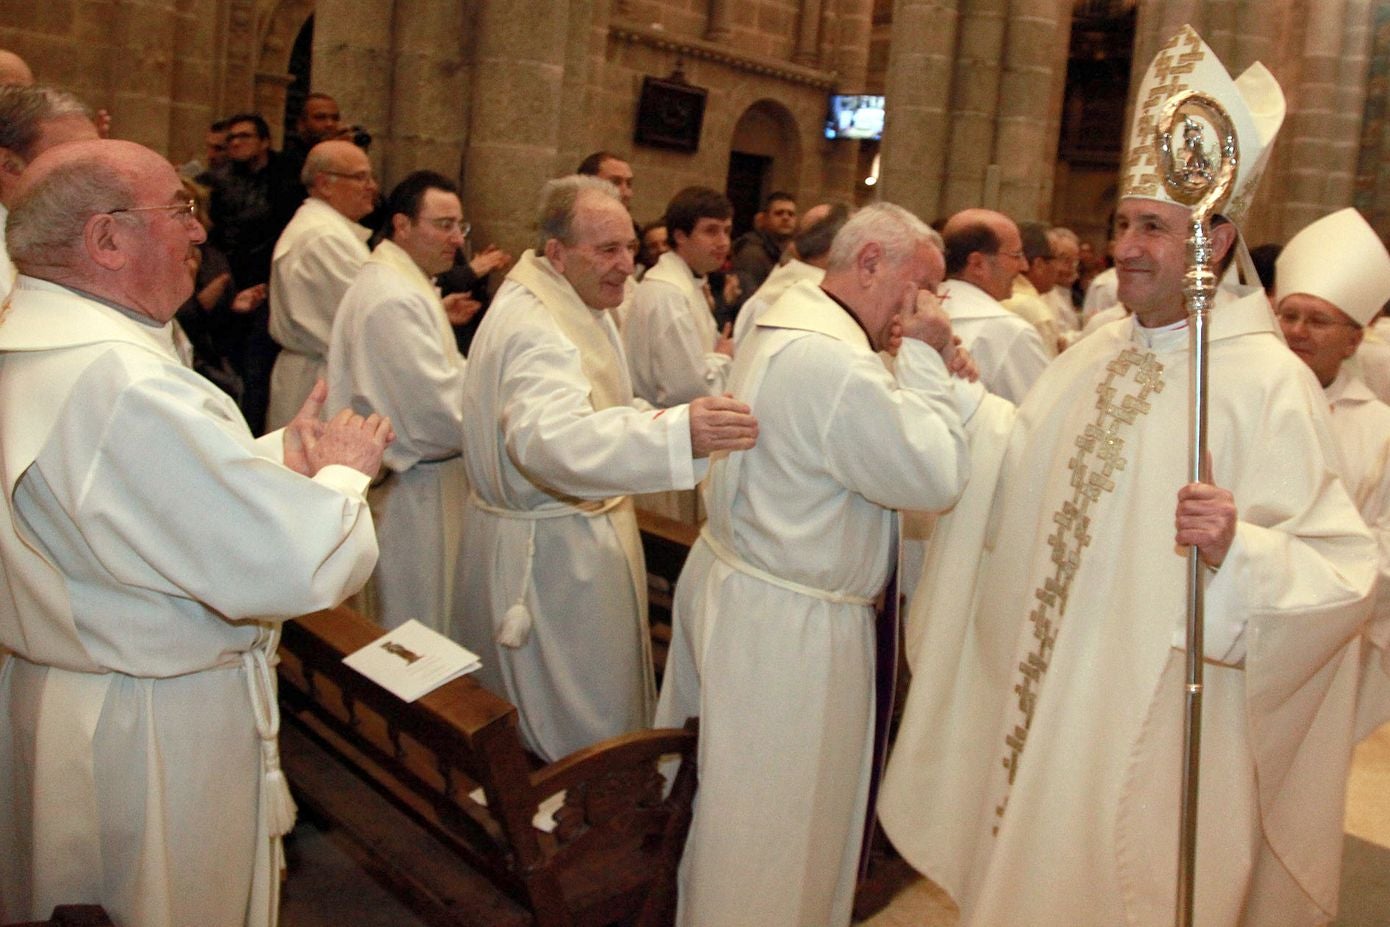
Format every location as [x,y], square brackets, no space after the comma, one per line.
[14,70]
[340,174]
[983,247]
[107,217]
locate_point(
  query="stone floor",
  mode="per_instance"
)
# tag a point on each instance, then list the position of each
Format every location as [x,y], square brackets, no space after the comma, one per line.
[328,887]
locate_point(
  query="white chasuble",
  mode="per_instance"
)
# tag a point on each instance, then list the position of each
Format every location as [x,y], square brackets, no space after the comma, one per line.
[1036,772]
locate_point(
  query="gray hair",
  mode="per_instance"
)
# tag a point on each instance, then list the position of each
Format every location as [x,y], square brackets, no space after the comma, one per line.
[897,231]
[558,200]
[24,110]
[46,223]
[1058,234]
[315,163]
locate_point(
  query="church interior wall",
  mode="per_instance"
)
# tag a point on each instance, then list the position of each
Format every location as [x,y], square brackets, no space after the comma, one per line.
[980,85]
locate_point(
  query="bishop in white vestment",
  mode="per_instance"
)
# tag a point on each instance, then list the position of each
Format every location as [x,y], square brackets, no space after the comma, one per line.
[1333,278]
[1036,773]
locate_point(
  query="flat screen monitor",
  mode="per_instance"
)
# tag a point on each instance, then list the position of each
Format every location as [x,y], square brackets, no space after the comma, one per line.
[856,116]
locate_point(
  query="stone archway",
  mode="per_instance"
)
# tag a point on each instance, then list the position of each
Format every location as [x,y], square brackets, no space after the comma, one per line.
[281,22]
[764,155]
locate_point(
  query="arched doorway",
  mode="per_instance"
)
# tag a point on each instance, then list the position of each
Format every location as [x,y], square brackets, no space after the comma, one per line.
[764,155]
[285,30]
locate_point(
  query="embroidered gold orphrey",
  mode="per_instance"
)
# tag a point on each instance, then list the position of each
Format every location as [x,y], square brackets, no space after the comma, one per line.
[1099,455]
[1171,68]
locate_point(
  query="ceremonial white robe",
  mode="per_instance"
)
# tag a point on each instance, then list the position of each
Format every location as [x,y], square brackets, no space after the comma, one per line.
[554,440]
[1028,305]
[783,278]
[315,260]
[774,627]
[1361,427]
[1008,351]
[669,336]
[1103,293]
[149,549]
[392,351]
[1103,318]
[1076,648]
[1371,362]
[1059,301]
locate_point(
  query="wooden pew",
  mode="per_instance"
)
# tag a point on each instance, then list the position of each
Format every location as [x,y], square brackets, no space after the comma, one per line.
[397,778]
[73,915]
[665,543]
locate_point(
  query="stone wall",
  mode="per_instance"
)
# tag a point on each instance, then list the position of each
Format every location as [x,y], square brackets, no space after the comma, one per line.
[505,94]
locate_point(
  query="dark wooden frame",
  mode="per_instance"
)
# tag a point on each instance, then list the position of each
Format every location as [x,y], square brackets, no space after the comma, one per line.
[670,114]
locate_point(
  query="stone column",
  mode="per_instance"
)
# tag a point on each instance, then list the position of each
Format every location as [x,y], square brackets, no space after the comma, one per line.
[428,111]
[1025,141]
[808,34]
[1321,140]
[513,139]
[974,101]
[918,94]
[145,43]
[353,60]
[1061,57]
[718,29]
[576,101]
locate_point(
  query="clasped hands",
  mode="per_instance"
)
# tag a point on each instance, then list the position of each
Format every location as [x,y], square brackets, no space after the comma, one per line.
[347,438]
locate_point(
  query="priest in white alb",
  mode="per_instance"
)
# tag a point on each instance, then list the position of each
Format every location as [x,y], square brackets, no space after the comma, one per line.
[805,259]
[774,639]
[150,548]
[1036,775]
[674,349]
[316,257]
[553,586]
[393,352]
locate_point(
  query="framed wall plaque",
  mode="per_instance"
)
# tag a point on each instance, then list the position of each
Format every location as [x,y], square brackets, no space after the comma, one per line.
[670,114]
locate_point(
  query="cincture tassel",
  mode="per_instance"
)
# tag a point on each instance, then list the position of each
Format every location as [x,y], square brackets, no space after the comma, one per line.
[277,807]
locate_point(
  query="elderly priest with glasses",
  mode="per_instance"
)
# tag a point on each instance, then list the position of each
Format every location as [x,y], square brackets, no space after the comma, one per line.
[149,548]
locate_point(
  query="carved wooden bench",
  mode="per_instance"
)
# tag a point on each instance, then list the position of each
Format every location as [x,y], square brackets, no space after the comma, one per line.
[399,780]
[665,544]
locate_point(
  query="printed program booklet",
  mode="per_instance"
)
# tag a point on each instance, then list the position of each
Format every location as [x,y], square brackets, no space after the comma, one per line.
[412,660]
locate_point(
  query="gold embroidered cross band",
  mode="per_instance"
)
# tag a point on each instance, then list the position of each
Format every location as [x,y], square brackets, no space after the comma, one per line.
[1099,456]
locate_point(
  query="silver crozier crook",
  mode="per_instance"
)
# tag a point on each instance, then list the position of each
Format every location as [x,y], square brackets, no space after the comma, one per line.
[1194,179]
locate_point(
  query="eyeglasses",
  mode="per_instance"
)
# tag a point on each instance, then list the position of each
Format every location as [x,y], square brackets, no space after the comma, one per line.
[1016,255]
[359,176]
[1314,323]
[448,224]
[187,209]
